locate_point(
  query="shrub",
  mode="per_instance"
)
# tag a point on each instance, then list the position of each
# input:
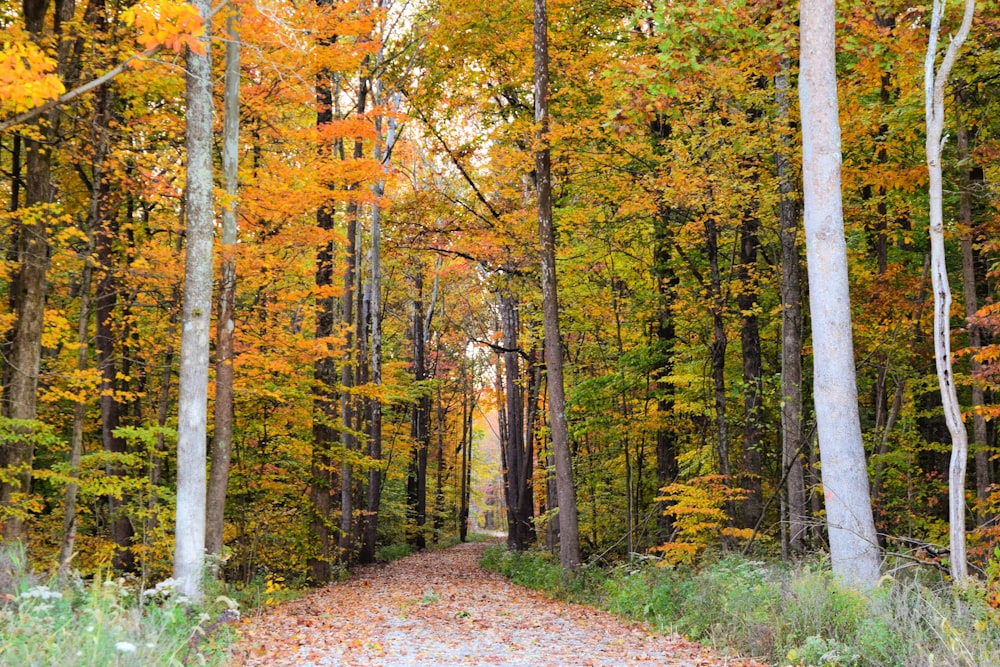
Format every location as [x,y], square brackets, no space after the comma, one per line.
[392,552]
[786,615]
[105,622]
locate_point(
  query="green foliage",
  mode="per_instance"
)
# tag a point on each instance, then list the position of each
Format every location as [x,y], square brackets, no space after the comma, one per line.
[533,569]
[788,616]
[105,622]
[392,552]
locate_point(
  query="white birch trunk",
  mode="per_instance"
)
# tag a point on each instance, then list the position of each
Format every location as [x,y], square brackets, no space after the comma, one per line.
[192,409]
[934,83]
[853,546]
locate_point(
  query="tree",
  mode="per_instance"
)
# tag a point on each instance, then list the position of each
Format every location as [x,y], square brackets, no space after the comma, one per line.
[192,408]
[222,440]
[853,545]
[792,437]
[569,540]
[934,84]
[22,354]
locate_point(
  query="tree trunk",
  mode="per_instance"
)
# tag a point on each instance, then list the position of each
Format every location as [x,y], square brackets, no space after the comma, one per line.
[934,83]
[439,471]
[666,440]
[225,325]
[370,529]
[189,551]
[468,405]
[792,436]
[79,415]
[569,536]
[28,292]
[325,377]
[979,431]
[751,470]
[853,543]
[514,450]
[717,350]
[417,479]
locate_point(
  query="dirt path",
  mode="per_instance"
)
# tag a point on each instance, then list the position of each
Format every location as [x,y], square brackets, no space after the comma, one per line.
[438,609]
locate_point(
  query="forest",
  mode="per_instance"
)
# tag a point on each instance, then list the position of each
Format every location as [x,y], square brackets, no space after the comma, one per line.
[275,274]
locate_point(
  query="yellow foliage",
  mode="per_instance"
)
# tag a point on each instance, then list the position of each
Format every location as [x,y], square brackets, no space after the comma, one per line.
[173,25]
[699,517]
[27,77]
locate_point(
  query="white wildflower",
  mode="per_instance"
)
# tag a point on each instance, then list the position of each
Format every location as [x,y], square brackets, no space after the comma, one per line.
[125,647]
[165,587]
[41,593]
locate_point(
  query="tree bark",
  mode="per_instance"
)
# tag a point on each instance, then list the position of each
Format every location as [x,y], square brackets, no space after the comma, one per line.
[934,84]
[569,536]
[751,470]
[717,350]
[325,376]
[419,431]
[225,325]
[79,415]
[792,436]
[192,409]
[853,543]
[28,292]
[980,441]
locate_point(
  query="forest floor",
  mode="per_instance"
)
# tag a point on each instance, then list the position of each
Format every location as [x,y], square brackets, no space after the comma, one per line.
[439,609]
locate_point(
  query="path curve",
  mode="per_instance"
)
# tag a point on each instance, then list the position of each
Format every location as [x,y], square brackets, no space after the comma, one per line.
[439,609]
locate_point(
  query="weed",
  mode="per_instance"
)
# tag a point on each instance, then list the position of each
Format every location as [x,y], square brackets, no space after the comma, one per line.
[392,552]
[105,621]
[786,615]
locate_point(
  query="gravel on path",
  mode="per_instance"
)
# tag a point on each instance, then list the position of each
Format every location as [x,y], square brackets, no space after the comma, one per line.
[439,609]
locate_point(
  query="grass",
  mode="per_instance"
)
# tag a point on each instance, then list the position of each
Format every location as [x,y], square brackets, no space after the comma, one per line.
[782,614]
[105,622]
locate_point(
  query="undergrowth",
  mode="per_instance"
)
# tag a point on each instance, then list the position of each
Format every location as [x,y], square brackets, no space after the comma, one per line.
[782,614]
[106,621]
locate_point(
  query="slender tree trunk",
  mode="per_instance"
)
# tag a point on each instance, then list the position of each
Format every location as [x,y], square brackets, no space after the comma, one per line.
[751,470]
[189,551]
[106,232]
[514,451]
[666,440]
[225,325]
[468,403]
[79,415]
[979,432]
[792,436]
[569,536]
[417,480]
[347,407]
[526,510]
[853,543]
[370,535]
[717,350]
[439,471]
[934,84]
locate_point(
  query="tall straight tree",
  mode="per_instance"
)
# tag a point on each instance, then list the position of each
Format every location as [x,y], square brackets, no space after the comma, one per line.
[935,79]
[569,535]
[192,407]
[222,440]
[792,438]
[853,546]
[22,352]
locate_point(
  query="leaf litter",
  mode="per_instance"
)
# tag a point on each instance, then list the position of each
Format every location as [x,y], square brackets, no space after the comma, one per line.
[439,609]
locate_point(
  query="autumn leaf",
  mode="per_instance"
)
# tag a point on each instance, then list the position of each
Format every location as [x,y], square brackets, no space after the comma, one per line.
[27,77]
[172,25]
